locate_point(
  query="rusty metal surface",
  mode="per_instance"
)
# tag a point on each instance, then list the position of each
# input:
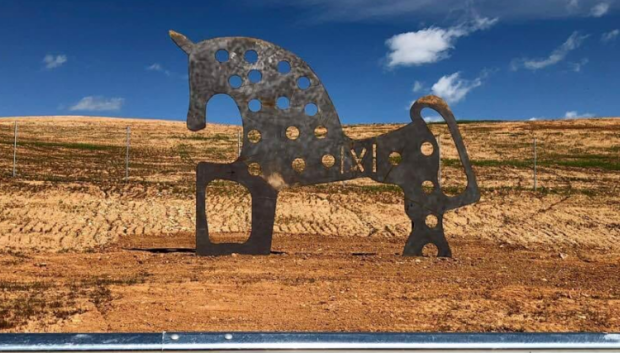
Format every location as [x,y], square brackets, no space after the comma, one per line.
[266,164]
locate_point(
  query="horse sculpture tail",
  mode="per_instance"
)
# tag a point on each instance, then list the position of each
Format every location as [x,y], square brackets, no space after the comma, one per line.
[471,193]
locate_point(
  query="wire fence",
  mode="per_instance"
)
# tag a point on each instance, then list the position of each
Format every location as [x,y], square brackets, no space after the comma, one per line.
[109,151]
[114,151]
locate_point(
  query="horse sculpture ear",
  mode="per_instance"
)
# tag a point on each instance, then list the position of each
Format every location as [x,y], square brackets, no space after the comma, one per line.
[182,41]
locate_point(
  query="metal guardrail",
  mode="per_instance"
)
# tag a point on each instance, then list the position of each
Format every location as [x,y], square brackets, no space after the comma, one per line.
[300,342]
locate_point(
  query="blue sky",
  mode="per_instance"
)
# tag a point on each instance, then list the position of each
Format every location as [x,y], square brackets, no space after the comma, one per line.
[491,59]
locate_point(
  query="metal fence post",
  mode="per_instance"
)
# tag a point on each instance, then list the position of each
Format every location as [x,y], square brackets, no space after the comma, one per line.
[127,154]
[439,154]
[15,151]
[534,164]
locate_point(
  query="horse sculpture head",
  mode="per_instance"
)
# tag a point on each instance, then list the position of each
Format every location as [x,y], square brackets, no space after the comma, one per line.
[279,74]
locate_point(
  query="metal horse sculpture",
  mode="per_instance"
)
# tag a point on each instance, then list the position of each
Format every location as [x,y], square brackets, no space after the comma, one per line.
[293,145]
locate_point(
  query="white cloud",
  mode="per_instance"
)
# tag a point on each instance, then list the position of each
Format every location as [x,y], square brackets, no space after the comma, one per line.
[573,5]
[573,42]
[51,62]
[609,36]
[576,66]
[155,67]
[98,103]
[407,11]
[422,47]
[453,89]
[433,119]
[574,115]
[431,44]
[599,9]
[418,86]
[160,68]
[568,115]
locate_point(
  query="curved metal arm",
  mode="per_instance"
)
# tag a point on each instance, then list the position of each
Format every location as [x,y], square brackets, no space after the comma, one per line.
[471,193]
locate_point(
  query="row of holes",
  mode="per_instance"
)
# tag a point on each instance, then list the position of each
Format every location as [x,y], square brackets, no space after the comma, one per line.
[284,67]
[395,158]
[255,106]
[320,132]
[292,133]
[426,148]
[255,76]
[298,164]
[251,56]
[328,161]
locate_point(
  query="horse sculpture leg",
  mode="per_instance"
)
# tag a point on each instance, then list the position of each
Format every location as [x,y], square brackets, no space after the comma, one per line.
[426,212]
[426,228]
[264,198]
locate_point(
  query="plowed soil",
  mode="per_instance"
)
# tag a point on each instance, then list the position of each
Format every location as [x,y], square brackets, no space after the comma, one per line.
[83,249]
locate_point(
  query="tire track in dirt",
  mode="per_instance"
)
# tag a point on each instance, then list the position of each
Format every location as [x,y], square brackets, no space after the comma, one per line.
[46,218]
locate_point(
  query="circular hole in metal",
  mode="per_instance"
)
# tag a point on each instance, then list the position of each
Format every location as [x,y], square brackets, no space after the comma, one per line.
[427,148]
[431,221]
[254,169]
[254,136]
[320,132]
[328,161]
[430,250]
[251,56]
[311,109]
[283,102]
[299,165]
[222,55]
[254,105]
[303,82]
[395,158]
[428,186]
[284,67]
[292,132]
[235,81]
[255,76]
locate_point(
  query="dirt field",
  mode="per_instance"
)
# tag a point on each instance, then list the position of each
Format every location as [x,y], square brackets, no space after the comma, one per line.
[82,249]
